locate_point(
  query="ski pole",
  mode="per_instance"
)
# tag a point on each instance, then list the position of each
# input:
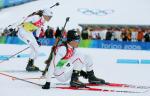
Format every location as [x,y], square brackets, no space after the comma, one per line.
[52,50]
[33,78]
[13,77]
[14,55]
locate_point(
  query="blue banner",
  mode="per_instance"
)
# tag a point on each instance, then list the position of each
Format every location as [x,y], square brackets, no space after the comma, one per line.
[106,44]
[1,3]
[13,40]
[124,45]
[46,41]
[7,3]
[133,61]
[12,2]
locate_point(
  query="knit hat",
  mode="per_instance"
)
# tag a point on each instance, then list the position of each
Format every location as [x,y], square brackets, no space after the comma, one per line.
[72,35]
[47,12]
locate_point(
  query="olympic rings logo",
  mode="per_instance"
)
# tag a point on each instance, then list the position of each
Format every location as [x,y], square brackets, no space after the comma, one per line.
[97,12]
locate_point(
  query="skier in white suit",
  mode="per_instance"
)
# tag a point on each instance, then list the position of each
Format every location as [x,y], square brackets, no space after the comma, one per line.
[33,23]
[68,63]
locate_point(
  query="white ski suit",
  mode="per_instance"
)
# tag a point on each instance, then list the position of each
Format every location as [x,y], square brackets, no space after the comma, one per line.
[25,33]
[65,61]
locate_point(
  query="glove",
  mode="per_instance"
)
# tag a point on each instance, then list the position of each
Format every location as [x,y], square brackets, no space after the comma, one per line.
[46,86]
[84,74]
[38,41]
[47,61]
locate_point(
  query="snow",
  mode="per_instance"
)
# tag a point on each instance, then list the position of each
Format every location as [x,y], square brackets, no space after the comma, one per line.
[105,67]
[125,12]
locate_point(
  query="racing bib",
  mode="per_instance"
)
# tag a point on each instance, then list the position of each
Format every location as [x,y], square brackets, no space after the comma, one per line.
[29,27]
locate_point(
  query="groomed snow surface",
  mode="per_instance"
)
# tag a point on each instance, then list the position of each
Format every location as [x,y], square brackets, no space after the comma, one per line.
[105,67]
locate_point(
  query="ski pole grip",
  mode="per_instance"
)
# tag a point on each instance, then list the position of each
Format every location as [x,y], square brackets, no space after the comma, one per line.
[67,19]
[55,5]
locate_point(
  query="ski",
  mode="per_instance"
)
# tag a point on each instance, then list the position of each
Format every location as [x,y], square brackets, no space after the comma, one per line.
[99,89]
[120,85]
[113,85]
[75,88]
[87,84]
[32,78]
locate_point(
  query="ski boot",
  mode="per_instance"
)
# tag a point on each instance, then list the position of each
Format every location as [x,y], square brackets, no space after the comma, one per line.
[46,86]
[94,80]
[83,74]
[30,67]
[75,80]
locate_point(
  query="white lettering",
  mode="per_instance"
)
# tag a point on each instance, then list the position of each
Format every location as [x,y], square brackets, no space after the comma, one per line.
[132,47]
[113,46]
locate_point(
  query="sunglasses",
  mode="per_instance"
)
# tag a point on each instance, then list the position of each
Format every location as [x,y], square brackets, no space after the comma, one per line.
[77,40]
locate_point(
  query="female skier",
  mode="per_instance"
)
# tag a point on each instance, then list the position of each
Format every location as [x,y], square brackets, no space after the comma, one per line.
[67,64]
[32,24]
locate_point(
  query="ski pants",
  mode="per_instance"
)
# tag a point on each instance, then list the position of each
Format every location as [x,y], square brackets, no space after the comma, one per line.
[30,40]
[77,62]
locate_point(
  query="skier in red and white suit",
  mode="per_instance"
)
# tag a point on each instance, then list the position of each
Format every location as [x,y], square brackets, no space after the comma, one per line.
[68,63]
[33,23]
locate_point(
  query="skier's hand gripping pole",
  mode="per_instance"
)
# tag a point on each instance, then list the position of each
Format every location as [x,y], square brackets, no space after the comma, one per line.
[48,61]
